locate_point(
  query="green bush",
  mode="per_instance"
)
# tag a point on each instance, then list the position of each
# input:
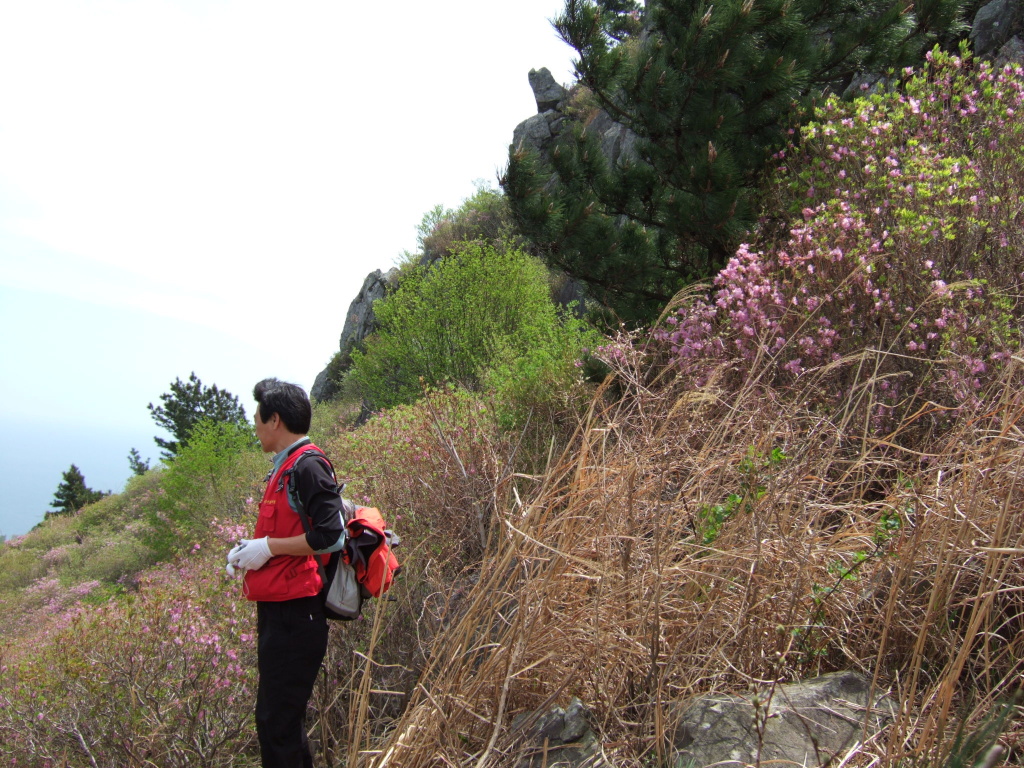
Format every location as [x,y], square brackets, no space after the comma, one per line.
[485,218]
[208,480]
[19,566]
[476,319]
[109,560]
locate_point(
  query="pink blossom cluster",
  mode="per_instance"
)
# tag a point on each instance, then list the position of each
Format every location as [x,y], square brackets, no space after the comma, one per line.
[55,597]
[907,246]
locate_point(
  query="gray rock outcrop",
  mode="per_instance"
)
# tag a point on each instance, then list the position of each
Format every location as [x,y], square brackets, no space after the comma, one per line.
[995,25]
[540,131]
[360,322]
[560,738]
[808,723]
[547,93]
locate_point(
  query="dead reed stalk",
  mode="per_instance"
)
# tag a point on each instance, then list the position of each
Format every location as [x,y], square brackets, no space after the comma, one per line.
[713,540]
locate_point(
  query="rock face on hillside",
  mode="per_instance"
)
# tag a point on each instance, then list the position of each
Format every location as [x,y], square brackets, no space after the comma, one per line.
[998,31]
[360,322]
[618,143]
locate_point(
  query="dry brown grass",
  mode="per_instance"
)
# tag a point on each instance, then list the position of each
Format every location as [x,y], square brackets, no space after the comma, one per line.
[598,582]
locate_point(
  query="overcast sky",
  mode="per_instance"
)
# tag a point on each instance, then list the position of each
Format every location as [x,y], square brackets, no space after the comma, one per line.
[181,180]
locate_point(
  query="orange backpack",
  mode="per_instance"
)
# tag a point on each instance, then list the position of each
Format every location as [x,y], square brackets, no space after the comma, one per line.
[369,551]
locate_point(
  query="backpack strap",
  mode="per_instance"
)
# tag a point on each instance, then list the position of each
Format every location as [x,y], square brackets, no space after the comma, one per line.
[296,502]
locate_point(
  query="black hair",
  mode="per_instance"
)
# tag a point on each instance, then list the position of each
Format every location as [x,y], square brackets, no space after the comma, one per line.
[287,400]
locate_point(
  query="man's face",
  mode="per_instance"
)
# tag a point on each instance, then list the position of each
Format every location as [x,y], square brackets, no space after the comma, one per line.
[263,430]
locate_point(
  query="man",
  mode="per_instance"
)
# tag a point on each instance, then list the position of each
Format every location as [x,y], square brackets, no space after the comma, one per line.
[282,575]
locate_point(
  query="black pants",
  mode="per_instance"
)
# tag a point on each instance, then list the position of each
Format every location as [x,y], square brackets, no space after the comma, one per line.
[292,640]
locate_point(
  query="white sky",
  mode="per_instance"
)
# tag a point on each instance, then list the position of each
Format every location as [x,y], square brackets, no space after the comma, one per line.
[180,178]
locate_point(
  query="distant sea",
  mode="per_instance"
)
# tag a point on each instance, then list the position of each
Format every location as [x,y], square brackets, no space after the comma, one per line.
[35,456]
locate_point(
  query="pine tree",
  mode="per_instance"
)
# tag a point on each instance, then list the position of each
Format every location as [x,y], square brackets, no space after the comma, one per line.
[136,463]
[189,403]
[72,493]
[709,89]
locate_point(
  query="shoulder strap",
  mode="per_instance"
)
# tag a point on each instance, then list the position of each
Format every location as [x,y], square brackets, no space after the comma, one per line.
[293,494]
[296,502]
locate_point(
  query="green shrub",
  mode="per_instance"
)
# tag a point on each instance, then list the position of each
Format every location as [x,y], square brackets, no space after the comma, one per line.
[485,218]
[330,418]
[108,560]
[476,318]
[208,480]
[19,565]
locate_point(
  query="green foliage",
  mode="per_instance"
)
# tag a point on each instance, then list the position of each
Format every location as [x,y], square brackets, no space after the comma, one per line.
[979,747]
[207,481]
[476,317]
[72,494]
[484,218]
[186,405]
[711,518]
[709,92]
[136,464]
[755,469]
[619,19]
[330,419]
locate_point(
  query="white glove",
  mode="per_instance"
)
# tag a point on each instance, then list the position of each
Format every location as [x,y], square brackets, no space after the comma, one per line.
[233,558]
[251,554]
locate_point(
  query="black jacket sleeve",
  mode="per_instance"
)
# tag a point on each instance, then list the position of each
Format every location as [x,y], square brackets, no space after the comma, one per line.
[319,495]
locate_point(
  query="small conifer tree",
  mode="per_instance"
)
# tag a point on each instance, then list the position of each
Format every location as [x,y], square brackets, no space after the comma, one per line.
[136,463]
[72,494]
[189,403]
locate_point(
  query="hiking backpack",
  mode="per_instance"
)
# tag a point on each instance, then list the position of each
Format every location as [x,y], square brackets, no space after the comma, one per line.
[365,567]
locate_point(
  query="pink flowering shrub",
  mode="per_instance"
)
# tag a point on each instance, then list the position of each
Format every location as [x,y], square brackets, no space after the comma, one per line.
[165,676]
[898,278]
[54,597]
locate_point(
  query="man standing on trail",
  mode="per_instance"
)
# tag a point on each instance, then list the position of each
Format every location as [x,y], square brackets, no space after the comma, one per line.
[282,575]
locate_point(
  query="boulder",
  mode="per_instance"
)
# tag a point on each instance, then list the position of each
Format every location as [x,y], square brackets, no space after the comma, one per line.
[534,131]
[560,738]
[994,24]
[808,723]
[1012,52]
[546,91]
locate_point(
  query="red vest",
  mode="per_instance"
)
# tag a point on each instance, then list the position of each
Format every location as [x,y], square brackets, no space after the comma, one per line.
[284,577]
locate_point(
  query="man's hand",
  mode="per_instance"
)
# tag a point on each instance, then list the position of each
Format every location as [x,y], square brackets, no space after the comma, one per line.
[233,558]
[250,554]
